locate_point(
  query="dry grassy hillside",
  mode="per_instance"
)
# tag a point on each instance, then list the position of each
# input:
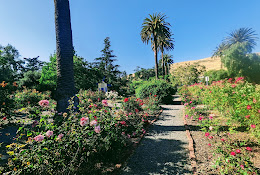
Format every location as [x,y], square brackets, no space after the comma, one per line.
[210,63]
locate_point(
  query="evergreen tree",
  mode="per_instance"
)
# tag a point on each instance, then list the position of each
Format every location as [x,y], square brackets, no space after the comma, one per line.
[108,70]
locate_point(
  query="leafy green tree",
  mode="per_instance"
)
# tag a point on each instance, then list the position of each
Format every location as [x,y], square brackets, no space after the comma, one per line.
[65,51]
[188,74]
[241,63]
[154,28]
[11,67]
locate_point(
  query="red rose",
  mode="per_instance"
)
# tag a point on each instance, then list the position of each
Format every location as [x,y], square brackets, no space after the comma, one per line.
[4,118]
[126,100]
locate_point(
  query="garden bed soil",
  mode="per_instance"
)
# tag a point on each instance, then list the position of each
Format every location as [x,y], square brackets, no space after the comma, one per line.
[205,157]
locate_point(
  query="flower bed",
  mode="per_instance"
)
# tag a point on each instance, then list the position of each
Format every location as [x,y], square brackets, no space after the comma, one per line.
[87,141]
[224,119]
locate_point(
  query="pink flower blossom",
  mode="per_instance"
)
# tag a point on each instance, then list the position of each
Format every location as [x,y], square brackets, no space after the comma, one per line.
[95,105]
[186,116]
[209,144]
[192,107]
[223,140]
[248,116]
[190,102]
[60,136]
[126,100]
[210,137]
[210,128]
[238,151]
[252,126]
[233,153]
[84,121]
[233,85]
[129,136]
[105,102]
[242,166]
[200,118]
[123,133]
[248,107]
[97,129]
[44,103]
[93,123]
[130,113]
[185,104]
[39,138]
[248,149]
[210,117]
[49,133]
[206,134]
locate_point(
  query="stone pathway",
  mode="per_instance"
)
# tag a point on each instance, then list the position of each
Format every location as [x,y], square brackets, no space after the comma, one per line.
[164,149]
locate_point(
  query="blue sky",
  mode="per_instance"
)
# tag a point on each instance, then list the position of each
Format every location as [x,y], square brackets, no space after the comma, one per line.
[198,27]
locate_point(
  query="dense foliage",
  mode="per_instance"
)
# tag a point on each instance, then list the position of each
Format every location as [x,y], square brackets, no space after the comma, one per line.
[156,87]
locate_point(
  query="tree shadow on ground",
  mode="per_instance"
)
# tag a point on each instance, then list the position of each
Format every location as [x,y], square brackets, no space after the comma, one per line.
[158,156]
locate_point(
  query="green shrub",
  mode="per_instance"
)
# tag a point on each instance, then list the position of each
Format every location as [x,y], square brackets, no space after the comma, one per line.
[160,88]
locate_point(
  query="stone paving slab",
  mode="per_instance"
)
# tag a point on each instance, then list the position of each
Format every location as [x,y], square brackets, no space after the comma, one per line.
[164,150]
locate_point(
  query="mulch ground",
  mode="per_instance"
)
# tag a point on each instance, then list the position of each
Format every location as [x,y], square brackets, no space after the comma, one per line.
[205,157]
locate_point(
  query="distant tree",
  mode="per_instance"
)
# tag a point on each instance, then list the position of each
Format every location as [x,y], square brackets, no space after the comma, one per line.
[165,44]
[188,74]
[108,70]
[11,67]
[154,28]
[65,52]
[241,35]
[33,64]
[168,61]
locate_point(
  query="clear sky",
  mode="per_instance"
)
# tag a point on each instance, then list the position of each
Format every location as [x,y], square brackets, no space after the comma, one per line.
[198,27]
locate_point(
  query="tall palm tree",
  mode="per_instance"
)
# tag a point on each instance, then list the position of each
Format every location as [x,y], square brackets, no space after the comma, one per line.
[65,52]
[241,35]
[152,28]
[168,60]
[165,44]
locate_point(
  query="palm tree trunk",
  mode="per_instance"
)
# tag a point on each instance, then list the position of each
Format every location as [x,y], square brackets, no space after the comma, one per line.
[156,61]
[64,49]
[165,67]
[163,64]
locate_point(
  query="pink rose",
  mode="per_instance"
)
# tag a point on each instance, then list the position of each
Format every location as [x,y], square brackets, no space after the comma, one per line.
[206,134]
[200,118]
[49,133]
[97,129]
[238,151]
[248,107]
[60,136]
[105,102]
[210,137]
[248,116]
[223,140]
[84,121]
[93,123]
[233,153]
[252,126]
[44,103]
[39,138]
[242,166]
[209,144]
[248,149]
[190,102]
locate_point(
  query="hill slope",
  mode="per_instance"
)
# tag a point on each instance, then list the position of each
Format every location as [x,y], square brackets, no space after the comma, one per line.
[210,63]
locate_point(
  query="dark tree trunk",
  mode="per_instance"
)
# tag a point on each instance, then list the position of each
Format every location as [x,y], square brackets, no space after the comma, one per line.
[156,61]
[163,64]
[65,52]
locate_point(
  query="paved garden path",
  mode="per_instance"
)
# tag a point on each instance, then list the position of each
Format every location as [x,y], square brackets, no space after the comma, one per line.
[164,149]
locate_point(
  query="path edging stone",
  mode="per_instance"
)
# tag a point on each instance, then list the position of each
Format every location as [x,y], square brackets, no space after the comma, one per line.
[191,145]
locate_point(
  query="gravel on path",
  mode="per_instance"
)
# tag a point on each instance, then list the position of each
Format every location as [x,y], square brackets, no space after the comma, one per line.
[164,149]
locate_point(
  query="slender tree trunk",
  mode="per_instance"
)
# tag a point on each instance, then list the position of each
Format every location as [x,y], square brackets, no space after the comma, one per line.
[163,64]
[156,61]
[64,49]
[165,67]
